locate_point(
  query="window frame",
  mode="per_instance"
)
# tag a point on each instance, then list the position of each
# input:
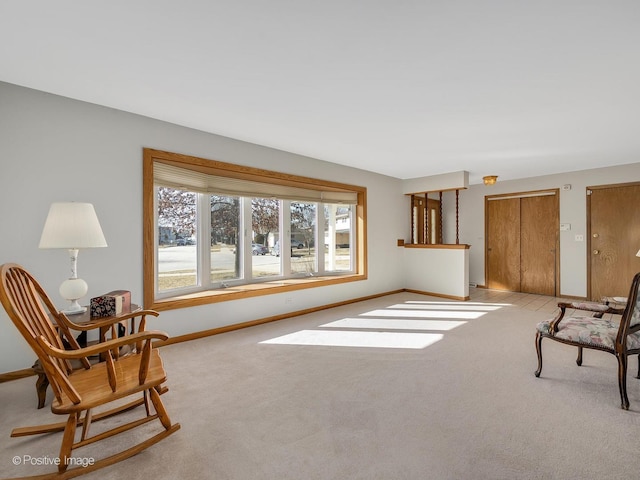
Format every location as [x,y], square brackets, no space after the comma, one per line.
[280,285]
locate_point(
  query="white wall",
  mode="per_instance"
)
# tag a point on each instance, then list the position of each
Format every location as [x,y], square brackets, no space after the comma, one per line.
[56,149]
[573,210]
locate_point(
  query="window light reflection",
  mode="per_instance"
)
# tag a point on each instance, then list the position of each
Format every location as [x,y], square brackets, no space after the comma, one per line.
[341,338]
[415,315]
[395,324]
[466,303]
[443,306]
[423,314]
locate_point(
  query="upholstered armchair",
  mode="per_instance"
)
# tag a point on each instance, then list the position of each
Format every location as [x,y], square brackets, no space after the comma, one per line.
[618,333]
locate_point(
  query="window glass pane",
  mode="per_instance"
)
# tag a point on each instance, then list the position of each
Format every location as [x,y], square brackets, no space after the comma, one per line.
[225,225]
[265,219]
[177,255]
[338,234]
[303,234]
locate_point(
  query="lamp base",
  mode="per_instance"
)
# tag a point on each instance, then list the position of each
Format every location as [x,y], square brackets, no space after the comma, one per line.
[74,309]
[73,289]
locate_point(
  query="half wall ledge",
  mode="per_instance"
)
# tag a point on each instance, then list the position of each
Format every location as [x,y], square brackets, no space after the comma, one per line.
[441,270]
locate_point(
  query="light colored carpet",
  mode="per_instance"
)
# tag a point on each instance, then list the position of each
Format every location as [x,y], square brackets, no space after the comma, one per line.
[465,406]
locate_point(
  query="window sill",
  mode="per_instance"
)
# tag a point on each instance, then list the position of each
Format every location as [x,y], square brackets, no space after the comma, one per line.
[239,292]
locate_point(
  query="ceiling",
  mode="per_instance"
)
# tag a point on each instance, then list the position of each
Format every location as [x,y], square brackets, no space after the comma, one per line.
[406,88]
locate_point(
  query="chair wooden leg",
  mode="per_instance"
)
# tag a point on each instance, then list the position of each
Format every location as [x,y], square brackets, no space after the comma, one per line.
[147,406]
[86,424]
[539,352]
[160,410]
[67,441]
[579,359]
[41,389]
[622,380]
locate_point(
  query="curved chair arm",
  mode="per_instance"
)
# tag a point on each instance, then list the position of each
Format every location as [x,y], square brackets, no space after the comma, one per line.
[600,308]
[105,347]
[100,347]
[553,326]
[105,322]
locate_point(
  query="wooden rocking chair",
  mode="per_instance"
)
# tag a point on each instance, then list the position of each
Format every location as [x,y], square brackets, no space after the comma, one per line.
[78,392]
[593,331]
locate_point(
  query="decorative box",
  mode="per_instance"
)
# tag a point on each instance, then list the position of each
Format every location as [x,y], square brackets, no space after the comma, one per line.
[110,304]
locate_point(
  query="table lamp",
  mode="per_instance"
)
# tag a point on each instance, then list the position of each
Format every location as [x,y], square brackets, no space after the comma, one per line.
[72,225]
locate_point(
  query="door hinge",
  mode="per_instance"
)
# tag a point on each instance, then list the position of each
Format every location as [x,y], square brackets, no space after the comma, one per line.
[589,192]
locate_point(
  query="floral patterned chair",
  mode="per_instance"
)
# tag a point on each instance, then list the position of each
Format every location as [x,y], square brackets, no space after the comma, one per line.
[619,336]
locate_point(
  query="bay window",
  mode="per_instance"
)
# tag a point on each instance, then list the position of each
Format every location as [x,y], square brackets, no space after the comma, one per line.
[216,231]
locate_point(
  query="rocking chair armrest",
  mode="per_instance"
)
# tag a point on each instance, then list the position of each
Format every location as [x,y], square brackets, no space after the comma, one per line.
[101,347]
[105,322]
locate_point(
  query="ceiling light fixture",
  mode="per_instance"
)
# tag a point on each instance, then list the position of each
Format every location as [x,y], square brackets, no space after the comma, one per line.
[490,179]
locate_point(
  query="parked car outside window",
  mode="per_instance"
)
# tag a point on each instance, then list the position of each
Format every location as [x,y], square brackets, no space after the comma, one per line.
[181,242]
[257,249]
[294,244]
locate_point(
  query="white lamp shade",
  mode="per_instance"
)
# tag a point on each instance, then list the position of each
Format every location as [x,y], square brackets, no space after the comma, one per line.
[72,225]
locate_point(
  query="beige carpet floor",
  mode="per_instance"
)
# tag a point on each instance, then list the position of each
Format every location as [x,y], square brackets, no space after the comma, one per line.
[400,387]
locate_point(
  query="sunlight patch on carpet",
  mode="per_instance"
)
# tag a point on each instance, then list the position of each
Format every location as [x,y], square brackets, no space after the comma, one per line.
[337,338]
[423,314]
[395,324]
[479,307]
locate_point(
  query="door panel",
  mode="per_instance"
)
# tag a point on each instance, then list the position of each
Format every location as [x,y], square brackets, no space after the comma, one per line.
[503,244]
[614,228]
[538,232]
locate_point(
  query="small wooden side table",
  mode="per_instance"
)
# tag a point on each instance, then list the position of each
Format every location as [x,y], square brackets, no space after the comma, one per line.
[85,319]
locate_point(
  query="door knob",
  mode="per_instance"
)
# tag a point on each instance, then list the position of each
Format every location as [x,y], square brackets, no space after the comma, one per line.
[596,252]
[595,235]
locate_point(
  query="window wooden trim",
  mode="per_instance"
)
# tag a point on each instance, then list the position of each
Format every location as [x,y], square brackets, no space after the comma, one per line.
[151,156]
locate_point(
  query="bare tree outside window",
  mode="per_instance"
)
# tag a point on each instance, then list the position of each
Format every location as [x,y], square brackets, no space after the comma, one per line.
[304,257]
[177,228]
[225,235]
[265,219]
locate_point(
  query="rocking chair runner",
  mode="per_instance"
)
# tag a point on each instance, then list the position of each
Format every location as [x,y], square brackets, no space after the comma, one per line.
[595,332]
[78,392]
